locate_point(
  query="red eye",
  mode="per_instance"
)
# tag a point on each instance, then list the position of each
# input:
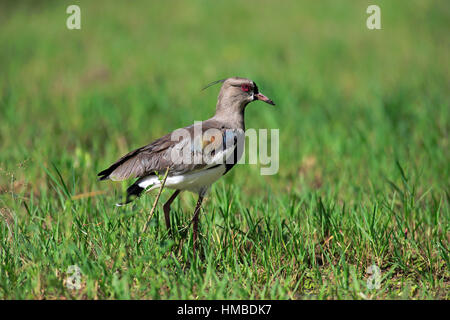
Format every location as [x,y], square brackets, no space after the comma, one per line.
[245,87]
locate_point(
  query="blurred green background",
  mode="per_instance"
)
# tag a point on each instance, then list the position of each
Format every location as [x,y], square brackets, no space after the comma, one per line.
[351,98]
[359,111]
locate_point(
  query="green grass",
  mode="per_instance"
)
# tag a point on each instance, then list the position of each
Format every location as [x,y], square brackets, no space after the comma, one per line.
[364,155]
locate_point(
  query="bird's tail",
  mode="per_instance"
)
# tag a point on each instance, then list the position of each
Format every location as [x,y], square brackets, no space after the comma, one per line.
[134,191]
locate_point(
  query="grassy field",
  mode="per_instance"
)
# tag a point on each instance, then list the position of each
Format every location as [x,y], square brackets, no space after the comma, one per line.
[364,149]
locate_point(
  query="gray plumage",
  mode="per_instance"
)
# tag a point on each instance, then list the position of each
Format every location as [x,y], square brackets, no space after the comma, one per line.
[157,156]
[217,152]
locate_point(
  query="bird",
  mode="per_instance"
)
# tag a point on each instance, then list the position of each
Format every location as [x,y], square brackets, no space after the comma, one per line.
[193,157]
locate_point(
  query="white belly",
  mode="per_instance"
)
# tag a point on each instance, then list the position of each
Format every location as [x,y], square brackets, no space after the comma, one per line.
[195,181]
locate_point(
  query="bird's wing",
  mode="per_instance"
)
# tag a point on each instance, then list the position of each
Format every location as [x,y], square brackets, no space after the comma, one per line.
[192,148]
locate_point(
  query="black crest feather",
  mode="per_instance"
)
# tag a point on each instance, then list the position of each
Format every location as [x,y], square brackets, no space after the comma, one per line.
[213,83]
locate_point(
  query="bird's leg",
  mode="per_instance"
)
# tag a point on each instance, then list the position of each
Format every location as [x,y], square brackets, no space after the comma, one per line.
[195,219]
[166,208]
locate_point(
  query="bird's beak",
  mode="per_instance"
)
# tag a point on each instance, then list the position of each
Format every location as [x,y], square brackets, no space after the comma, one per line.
[260,96]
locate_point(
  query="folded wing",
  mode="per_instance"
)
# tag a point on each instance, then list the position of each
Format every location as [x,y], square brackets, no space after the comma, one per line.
[189,149]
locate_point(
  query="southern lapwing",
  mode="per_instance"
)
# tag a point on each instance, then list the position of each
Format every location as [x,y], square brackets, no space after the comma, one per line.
[195,156]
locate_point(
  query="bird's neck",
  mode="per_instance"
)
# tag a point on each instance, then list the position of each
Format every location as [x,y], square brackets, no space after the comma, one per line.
[232,117]
[231,114]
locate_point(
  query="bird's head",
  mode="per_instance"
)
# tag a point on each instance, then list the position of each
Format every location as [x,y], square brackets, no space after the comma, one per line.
[236,93]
